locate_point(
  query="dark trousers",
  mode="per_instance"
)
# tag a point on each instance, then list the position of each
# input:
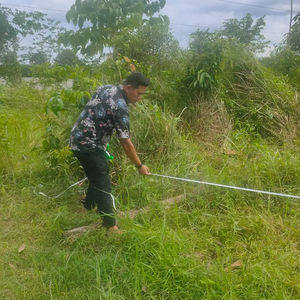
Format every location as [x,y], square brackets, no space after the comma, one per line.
[96,169]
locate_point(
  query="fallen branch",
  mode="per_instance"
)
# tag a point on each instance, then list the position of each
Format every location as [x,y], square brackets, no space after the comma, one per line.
[131,214]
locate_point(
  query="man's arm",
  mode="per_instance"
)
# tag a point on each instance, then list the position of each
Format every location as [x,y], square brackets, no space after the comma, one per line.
[132,155]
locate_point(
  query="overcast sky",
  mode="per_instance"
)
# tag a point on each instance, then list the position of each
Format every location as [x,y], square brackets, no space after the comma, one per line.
[186,15]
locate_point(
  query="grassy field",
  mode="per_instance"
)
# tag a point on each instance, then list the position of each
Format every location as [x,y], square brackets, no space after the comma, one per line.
[214,244]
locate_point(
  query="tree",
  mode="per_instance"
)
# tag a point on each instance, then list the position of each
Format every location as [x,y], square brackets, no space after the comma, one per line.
[66,57]
[47,38]
[45,41]
[106,21]
[14,26]
[294,35]
[38,58]
[200,40]
[243,31]
[8,34]
[284,61]
[11,67]
[150,44]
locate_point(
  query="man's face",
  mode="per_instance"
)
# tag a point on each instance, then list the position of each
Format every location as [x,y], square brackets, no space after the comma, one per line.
[134,94]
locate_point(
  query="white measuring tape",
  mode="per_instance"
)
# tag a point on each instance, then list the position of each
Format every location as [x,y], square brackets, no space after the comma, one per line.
[76,183]
[182,179]
[228,186]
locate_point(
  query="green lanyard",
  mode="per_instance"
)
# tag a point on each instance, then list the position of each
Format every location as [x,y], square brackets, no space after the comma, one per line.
[107,155]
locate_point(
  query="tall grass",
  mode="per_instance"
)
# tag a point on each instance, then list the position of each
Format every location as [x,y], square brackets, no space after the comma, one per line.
[181,252]
[257,99]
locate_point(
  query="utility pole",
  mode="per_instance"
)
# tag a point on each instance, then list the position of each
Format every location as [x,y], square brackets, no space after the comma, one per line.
[291,18]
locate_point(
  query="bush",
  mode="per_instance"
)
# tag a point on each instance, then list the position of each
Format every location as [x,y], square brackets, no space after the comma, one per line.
[206,62]
[285,62]
[257,98]
[26,70]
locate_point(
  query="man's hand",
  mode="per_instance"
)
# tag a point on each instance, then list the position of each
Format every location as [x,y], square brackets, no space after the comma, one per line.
[144,170]
[132,155]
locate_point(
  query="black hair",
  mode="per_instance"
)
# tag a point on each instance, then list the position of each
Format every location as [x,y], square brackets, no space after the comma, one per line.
[136,79]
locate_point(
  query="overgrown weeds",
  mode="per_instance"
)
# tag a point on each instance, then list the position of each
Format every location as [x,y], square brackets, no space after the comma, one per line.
[214,244]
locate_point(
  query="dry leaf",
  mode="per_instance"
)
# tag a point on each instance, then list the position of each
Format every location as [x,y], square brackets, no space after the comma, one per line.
[145,289]
[132,68]
[198,255]
[229,152]
[126,59]
[236,264]
[12,266]
[22,248]
[195,255]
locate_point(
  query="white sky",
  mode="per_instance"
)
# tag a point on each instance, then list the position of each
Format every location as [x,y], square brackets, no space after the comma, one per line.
[186,15]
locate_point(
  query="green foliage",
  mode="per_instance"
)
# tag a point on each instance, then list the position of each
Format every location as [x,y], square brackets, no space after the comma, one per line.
[257,98]
[15,25]
[285,62]
[244,32]
[180,251]
[200,41]
[114,71]
[21,97]
[44,32]
[108,19]
[45,42]
[11,68]
[19,106]
[149,122]
[51,140]
[292,39]
[152,45]
[64,105]
[61,159]
[84,79]
[67,99]
[48,75]
[206,62]
[8,33]
[4,139]
[25,70]
[55,104]
[38,58]
[66,57]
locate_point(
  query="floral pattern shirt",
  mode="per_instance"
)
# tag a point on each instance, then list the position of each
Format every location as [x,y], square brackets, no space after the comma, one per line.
[105,112]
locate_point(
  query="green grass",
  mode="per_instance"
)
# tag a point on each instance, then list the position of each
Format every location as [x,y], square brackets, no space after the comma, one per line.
[181,252]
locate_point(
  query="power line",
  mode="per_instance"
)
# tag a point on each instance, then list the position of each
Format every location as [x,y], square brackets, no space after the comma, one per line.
[227,1]
[194,25]
[35,7]
[246,4]
[198,26]
[240,3]
[188,25]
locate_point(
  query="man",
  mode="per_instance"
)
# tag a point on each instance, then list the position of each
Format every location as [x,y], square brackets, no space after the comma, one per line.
[106,111]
